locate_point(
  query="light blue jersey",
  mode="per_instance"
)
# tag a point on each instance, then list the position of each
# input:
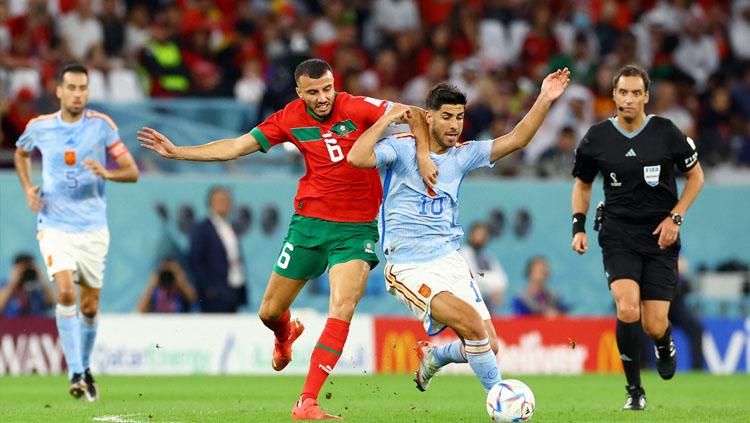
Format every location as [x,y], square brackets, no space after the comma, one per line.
[417,227]
[73,196]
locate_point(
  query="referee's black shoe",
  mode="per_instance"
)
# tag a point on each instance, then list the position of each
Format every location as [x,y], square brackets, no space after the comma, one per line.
[636,398]
[666,359]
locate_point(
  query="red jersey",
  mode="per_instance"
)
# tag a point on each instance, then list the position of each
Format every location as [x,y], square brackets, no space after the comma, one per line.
[332,189]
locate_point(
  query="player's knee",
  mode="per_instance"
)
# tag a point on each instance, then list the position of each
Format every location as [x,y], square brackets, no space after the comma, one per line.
[471,328]
[66,296]
[269,314]
[654,328]
[89,309]
[628,312]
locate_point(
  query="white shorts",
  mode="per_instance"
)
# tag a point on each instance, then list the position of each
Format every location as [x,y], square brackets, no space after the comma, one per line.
[82,252]
[414,285]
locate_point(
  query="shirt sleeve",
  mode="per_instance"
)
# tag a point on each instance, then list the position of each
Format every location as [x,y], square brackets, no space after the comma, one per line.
[385,152]
[368,110]
[682,148]
[27,140]
[585,167]
[115,147]
[475,154]
[270,132]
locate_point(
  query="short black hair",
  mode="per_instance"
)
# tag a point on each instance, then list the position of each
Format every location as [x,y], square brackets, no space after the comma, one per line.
[71,68]
[23,257]
[313,68]
[632,70]
[444,93]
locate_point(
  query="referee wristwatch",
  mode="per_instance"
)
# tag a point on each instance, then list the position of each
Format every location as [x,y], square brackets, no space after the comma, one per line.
[677,219]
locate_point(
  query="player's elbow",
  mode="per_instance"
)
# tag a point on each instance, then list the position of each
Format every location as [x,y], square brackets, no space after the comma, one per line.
[134,174]
[355,161]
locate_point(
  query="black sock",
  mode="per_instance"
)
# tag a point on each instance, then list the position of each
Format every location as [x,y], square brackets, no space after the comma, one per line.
[664,340]
[628,342]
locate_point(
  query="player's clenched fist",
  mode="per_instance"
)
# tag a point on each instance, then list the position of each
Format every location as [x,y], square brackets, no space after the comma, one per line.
[580,243]
[399,113]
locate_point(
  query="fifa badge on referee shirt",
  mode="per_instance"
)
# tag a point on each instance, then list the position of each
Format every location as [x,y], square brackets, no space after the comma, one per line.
[651,174]
[70,157]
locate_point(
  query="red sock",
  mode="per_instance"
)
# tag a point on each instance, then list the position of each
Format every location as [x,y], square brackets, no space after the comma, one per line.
[280,326]
[325,355]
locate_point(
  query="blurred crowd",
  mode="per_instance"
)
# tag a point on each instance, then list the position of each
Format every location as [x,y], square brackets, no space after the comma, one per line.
[496,50]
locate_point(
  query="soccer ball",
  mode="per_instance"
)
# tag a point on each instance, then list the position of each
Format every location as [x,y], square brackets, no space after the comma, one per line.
[510,401]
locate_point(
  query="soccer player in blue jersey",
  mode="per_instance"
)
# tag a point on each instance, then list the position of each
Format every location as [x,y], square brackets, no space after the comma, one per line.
[419,225]
[72,220]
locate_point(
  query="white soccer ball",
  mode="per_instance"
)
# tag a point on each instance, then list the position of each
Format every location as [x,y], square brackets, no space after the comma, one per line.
[510,401]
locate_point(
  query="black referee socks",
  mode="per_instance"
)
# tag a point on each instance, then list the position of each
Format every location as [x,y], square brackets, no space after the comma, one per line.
[629,343]
[663,342]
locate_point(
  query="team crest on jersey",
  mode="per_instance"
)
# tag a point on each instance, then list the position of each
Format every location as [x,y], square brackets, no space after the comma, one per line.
[651,175]
[343,128]
[425,291]
[70,157]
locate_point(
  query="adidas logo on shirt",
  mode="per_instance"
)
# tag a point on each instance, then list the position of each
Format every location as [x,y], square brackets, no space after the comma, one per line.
[630,153]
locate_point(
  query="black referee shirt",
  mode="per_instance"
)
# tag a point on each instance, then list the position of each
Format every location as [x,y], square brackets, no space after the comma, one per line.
[638,167]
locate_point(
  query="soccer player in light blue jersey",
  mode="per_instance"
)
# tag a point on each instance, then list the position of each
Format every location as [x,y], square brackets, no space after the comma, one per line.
[420,233]
[72,220]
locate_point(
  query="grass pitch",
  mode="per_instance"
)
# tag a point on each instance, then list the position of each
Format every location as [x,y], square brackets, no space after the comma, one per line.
[381,398]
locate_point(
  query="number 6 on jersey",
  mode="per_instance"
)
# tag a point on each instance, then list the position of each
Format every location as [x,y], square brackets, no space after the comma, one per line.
[284,257]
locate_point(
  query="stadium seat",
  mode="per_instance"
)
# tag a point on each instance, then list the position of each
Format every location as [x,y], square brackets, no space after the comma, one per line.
[21,78]
[124,86]
[97,86]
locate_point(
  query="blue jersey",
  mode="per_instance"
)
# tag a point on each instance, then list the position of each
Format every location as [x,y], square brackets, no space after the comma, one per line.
[418,226]
[73,196]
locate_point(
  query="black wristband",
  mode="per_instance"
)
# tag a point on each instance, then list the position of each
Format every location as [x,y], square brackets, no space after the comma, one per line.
[579,223]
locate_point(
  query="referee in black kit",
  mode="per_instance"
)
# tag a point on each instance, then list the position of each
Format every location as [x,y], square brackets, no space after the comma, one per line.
[636,154]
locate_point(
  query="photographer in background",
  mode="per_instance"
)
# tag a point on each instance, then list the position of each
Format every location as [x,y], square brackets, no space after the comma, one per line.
[25,293]
[168,290]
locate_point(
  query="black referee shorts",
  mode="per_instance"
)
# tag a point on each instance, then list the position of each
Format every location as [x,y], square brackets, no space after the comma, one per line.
[630,251]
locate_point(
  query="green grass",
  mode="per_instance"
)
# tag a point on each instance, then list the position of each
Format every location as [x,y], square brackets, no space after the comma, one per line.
[383,398]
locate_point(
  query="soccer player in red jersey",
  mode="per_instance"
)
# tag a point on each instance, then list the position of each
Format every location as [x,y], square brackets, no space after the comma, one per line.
[335,209]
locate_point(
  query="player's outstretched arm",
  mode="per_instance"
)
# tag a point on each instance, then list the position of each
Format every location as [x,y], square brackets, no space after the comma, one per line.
[219,150]
[552,87]
[581,199]
[362,154]
[22,160]
[127,170]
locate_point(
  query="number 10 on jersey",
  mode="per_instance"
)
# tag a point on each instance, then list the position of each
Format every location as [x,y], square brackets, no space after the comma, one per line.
[430,205]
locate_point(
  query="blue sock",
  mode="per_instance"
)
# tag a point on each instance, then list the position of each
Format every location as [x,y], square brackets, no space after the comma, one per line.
[88,336]
[70,336]
[483,362]
[450,353]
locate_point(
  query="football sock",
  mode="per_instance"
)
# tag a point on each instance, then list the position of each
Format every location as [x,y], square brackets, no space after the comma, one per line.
[280,326]
[450,353]
[628,342]
[324,357]
[483,362]
[69,330]
[88,336]
[664,340]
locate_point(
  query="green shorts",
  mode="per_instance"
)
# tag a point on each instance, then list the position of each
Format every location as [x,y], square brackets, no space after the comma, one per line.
[312,245]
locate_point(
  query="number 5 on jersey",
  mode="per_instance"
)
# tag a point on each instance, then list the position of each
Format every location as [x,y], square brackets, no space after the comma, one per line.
[284,257]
